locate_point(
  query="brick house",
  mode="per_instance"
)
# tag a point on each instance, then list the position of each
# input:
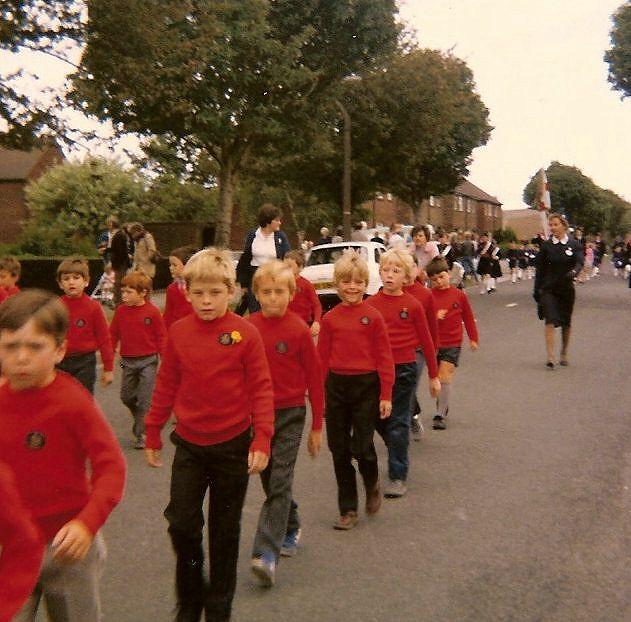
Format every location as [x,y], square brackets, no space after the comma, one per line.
[17,169]
[467,207]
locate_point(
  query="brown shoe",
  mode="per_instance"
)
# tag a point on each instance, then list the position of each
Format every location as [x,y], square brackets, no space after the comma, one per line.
[373,499]
[346,521]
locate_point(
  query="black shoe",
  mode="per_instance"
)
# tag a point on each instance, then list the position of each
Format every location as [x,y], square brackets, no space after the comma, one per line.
[550,365]
[439,423]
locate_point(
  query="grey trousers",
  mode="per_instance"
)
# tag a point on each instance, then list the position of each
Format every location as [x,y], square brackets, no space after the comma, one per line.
[70,591]
[279,511]
[139,378]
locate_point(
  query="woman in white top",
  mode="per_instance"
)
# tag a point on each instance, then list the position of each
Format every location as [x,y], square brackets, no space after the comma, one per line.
[263,244]
[422,245]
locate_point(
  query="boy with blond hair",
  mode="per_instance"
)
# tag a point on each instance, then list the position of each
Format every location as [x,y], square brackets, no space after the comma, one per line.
[10,270]
[357,366]
[88,330]
[215,378]
[295,369]
[50,430]
[305,302]
[452,309]
[408,331]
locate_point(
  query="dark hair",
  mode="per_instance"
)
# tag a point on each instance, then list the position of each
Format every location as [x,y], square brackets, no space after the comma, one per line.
[436,266]
[138,281]
[183,253]
[11,265]
[421,229]
[45,309]
[73,265]
[267,213]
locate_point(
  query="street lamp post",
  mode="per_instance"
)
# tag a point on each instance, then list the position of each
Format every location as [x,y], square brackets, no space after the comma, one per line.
[346,178]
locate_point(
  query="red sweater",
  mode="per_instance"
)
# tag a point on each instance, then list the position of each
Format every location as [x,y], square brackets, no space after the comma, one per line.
[456,303]
[176,306]
[407,329]
[140,330]
[293,362]
[214,376]
[424,296]
[47,435]
[7,292]
[305,302]
[354,340]
[88,330]
[21,548]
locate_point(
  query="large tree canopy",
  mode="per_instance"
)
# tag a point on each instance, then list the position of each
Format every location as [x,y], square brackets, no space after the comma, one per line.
[619,55]
[222,78]
[582,201]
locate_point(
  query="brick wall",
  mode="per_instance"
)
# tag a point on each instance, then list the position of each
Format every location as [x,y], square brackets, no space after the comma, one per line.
[12,210]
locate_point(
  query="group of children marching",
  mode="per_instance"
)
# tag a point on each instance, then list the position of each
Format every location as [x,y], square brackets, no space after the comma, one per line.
[237,389]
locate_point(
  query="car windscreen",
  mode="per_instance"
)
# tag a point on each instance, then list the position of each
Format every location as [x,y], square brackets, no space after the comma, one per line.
[330,254]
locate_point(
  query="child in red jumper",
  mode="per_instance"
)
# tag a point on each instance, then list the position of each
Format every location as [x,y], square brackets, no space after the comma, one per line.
[416,287]
[295,369]
[88,329]
[10,270]
[21,548]
[452,309]
[41,411]
[138,325]
[408,331]
[357,366]
[305,302]
[215,378]
[177,305]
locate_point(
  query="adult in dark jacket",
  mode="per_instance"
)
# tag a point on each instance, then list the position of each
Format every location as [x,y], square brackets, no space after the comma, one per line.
[559,261]
[119,257]
[261,245]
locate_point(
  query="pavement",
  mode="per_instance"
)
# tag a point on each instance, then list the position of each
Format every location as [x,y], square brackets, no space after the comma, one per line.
[519,511]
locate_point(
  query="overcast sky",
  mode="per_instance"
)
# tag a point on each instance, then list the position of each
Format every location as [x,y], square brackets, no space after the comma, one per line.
[538,66]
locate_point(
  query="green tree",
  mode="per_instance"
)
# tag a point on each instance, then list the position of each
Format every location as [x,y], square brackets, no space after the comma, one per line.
[70,203]
[169,199]
[619,55]
[222,78]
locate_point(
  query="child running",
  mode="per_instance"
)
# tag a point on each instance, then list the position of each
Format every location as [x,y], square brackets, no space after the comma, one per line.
[50,428]
[305,302]
[407,331]
[215,378]
[10,270]
[87,331]
[452,309]
[357,366]
[138,325]
[295,368]
[177,305]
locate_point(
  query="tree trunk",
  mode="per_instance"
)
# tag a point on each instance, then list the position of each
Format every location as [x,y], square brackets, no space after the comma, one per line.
[291,213]
[223,225]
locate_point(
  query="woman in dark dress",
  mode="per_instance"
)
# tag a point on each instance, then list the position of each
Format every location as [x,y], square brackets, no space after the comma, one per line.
[559,261]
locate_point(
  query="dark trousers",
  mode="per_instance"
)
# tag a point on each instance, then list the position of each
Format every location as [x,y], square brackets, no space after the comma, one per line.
[395,430]
[279,511]
[82,367]
[352,412]
[221,469]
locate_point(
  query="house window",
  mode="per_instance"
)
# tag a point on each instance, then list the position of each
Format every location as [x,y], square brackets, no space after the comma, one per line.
[469,206]
[460,204]
[389,196]
[432,201]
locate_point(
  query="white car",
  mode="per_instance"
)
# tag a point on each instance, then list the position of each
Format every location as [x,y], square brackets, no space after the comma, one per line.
[319,268]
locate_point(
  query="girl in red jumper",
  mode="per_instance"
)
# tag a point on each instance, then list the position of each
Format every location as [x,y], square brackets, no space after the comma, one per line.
[305,302]
[452,309]
[215,378]
[138,325]
[177,305]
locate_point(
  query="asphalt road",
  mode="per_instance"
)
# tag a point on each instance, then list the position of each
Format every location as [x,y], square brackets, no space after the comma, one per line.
[519,511]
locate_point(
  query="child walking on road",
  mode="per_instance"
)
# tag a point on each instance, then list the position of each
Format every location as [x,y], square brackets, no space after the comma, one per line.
[305,302]
[357,366]
[215,378]
[295,369]
[452,309]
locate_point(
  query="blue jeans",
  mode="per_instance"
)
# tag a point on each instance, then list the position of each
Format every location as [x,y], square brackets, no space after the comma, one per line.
[395,430]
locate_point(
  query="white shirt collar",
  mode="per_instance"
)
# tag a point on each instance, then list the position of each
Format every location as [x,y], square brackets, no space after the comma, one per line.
[563,240]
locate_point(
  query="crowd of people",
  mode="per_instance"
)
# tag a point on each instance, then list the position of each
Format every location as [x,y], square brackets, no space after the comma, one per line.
[236,387]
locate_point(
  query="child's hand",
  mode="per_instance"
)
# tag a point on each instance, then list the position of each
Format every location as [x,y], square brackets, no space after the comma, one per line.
[474,346]
[315,329]
[72,542]
[434,387]
[314,443]
[385,409]
[257,461]
[107,378]
[441,313]
[153,458]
